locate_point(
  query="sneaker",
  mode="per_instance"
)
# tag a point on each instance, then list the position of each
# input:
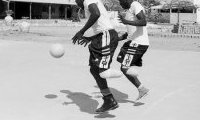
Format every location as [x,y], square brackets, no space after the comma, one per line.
[142,92]
[109,104]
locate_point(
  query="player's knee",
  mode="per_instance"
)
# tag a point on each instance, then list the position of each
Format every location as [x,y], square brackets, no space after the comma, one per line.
[95,71]
[129,71]
[124,69]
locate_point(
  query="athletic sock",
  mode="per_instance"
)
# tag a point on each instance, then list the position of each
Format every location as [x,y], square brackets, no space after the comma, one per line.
[140,86]
[105,92]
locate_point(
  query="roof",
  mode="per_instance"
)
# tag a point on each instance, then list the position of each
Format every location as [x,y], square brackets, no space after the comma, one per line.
[157,7]
[195,2]
[71,2]
[177,4]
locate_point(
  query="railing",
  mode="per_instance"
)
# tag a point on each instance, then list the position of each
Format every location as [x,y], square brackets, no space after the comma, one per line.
[189,29]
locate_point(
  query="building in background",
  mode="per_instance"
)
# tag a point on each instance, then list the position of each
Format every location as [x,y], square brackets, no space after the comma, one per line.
[38,9]
[178,11]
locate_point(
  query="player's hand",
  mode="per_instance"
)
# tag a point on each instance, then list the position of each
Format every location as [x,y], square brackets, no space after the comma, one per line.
[122,19]
[123,36]
[77,37]
[84,40]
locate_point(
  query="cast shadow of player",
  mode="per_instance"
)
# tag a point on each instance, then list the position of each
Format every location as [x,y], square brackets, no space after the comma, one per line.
[122,97]
[84,102]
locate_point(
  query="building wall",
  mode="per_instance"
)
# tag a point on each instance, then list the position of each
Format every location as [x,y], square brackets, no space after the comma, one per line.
[3,7]
[198,15]
[42,11]
[183,17]
[54,11]
[58,11]
[39,10]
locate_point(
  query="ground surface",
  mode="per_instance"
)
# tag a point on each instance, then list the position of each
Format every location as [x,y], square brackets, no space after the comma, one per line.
[35,86]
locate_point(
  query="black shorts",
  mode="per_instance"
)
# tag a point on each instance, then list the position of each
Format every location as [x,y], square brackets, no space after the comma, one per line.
[131,55]
[102,48]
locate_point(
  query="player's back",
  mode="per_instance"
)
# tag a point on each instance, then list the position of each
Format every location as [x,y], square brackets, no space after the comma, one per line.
[137,34]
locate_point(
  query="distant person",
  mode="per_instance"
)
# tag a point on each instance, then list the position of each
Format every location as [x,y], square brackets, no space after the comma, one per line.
[8,19]
[75,14]
[137,43]
[101,48]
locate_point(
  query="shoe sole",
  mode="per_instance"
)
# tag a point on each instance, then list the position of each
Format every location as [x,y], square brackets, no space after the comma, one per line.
[112,108]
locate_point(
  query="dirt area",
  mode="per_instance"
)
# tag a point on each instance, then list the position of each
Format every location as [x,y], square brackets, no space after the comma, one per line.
[36,86]
[65,33]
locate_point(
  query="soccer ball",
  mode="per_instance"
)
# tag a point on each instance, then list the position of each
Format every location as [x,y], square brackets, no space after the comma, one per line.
[57,50]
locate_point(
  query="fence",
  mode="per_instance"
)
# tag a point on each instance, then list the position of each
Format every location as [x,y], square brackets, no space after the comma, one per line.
[189,29]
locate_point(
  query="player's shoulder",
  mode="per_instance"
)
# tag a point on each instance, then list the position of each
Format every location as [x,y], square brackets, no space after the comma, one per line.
[136,7]
[88,2]
[136,4]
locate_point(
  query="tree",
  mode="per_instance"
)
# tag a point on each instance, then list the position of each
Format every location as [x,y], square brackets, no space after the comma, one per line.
[148,4]
[112,5]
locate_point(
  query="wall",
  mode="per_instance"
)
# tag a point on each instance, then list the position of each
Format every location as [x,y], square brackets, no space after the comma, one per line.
[198,15]
[183,17]
[55,13]
[3,7]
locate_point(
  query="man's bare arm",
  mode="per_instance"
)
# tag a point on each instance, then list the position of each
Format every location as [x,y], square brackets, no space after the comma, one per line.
[94,16]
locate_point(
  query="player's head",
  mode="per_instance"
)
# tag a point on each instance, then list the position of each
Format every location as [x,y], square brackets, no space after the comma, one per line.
[80,3]
[125,3]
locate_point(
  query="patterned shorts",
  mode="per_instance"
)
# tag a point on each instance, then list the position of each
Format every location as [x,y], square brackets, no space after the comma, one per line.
[131,55]
[102,48]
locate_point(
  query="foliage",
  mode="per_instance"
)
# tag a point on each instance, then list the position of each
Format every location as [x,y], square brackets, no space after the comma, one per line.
[149,3]
[112,5]
[181,4]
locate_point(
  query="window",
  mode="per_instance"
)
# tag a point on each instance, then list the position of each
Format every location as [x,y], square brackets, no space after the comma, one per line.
[45,8]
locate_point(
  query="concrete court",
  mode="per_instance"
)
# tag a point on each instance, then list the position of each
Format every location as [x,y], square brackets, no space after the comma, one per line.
[35,86]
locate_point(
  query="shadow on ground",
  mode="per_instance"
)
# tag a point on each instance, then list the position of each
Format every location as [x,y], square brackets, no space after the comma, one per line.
[85,103]
[82,100]
[120,97]
[88,105]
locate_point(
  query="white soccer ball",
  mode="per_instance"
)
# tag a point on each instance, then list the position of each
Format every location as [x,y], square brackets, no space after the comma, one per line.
[57,50]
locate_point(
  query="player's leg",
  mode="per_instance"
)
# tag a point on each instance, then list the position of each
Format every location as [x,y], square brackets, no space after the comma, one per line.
[100,59]
[132,74]
[110,40]
[130,58]
[109,101]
